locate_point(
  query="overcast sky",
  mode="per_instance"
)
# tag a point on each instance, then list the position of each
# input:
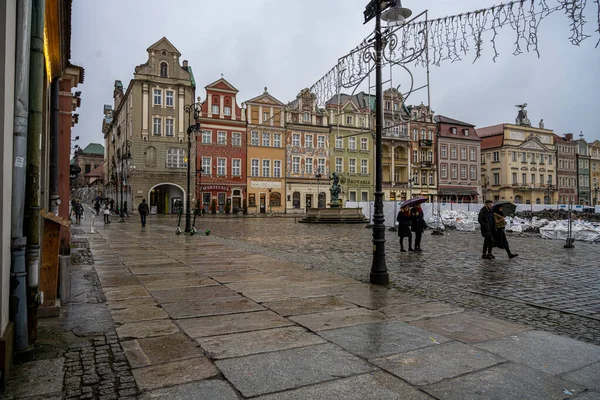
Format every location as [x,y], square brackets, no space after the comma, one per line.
[288,45]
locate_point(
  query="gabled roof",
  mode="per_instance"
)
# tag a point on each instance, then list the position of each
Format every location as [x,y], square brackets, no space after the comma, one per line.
[222,84]
[164,44]
[492,141]
[445,120]
[94,148]
[98,171]
[265,96]
[490,130]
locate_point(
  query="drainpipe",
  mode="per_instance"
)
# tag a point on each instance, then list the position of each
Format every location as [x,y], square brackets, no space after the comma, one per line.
[18,294]
[32,191]
[54,196]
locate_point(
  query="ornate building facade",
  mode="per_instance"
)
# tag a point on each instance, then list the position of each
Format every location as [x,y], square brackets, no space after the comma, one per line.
[423,165]
[266,154]
[566,168]
[146,155]
[595,171]
[307,154]
[584,187]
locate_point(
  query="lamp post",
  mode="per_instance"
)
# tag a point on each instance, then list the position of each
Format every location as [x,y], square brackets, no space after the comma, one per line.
[190,109]
[318,176]
[549,190]
[395,14]
[127,156]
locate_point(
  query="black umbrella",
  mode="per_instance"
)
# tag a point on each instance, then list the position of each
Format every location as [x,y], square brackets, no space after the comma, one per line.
[413,202]
[508,208]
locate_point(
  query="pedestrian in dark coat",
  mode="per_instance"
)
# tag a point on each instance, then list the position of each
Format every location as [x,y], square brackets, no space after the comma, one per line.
[144,211]
[488,228]
[97,207]
[417,225]
[78,212]
[500,240]
[403,219]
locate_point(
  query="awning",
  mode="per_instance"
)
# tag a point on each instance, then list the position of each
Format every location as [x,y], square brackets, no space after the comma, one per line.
[457,191]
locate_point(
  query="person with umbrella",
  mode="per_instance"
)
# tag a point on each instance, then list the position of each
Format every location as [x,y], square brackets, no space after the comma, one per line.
[403,219]
[488,228]
[500,240]
[417,225]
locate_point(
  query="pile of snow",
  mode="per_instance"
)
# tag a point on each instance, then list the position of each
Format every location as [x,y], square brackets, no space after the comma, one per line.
[456,219]
[580,230]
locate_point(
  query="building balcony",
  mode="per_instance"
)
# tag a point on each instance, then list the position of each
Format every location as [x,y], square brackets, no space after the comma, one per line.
[426,164]
[425,143]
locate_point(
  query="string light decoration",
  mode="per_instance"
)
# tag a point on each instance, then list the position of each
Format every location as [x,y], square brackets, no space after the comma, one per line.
[451,38]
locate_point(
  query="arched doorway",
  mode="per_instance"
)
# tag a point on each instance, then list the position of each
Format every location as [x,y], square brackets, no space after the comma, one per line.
[166,198]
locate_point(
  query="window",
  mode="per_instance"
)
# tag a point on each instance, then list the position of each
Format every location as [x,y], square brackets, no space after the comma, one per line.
[364,166]
[277,168]
[252,200]
[453,152]
[156,127]
[227,111]
[364,196]
[453,130]
[277,140]
[321,166]
[514,178]
[169,127]
[533,158]
[466,132]
[473,154]
[453,172]
[463,153]
[206,137]
[236,167]
[533,179]
[306,117]
[364,144]
[339,142]
[175,158]
[206,166]
[308,167]
[352,165]
[415,135]
[387,105]
[295,166]
[266,168]
[163,69]
[524,157]
[266,139]
[221,137]
[157,97]
[215,109]
[550,180]
[308,140]
[236,139]
[275,199]
[339,165]
[415,156]
[496,178]
[351,143]
[352,196]
[423,178]
[254,167]
[542,181]
[430,156]
[169,98]
[550,159]
[463,172]
[444,171]
[514,156]
[524,178]
[87,168]
[221,166]
[254,138]
[395,106]
[473,173]
[296,139]
[321,141]
[348,120]
[496,156]
[266,116]
[444,151]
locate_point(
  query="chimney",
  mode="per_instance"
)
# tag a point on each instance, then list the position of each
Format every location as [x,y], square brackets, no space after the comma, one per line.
[568,137]
[185,63]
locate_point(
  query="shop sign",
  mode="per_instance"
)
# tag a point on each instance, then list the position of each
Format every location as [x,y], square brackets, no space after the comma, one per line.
[216,188]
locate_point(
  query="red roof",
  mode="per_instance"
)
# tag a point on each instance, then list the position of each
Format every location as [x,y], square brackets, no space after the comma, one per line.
[490,130]
[98,171]
[490,142]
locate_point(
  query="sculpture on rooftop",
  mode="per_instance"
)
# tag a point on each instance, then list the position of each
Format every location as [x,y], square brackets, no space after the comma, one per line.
[522,115]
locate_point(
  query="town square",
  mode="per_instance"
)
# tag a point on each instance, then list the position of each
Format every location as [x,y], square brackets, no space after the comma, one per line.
[310,200]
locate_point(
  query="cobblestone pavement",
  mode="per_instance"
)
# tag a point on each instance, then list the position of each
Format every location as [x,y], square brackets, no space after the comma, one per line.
[547,286]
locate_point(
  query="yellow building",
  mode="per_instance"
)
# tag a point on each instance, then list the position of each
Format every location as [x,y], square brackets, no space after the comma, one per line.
[595,170]
[518,164]
[266,154]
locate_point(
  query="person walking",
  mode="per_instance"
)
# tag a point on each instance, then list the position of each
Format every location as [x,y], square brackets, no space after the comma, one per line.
[78,212]
[125,212]
[488,227]
[403,219]
[97,207]
[417,225]
[144,211]
[106,214]
[500,240]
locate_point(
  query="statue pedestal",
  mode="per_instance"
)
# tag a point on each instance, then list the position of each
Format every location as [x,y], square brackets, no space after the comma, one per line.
[334,215]
[338,204]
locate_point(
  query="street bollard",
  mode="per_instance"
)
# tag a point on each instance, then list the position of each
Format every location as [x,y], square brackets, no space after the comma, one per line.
[92,224]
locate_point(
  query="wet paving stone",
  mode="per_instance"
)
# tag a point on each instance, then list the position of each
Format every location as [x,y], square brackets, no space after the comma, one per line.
[174,373]
[204,308]
[338,319]
[161,349]
[232,323]
[145,329]
[308,306]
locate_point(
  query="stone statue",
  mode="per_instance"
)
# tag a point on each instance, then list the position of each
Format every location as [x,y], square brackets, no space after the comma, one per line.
[335,189]
[542,123]
[522,115]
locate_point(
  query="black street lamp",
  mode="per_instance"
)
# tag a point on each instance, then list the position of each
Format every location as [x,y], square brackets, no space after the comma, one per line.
[189,109]
[126,155]
[395,14]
